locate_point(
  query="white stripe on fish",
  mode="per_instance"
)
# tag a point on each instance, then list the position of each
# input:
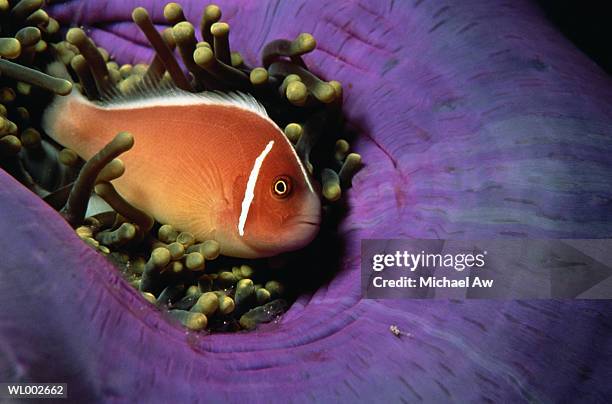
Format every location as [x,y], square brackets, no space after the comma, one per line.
[249,192]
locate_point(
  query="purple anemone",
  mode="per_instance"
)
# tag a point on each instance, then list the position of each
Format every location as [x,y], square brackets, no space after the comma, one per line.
[475,119]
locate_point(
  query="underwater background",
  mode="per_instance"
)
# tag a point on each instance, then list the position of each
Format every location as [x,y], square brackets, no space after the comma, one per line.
[474,119]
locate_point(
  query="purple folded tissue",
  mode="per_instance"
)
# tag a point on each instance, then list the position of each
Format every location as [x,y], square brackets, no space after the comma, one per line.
[409,120]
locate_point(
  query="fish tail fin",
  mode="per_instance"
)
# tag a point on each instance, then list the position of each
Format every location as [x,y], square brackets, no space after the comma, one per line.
[58,109]
[53,114]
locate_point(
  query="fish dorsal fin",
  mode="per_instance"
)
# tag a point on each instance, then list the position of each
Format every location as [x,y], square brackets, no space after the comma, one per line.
[149,94]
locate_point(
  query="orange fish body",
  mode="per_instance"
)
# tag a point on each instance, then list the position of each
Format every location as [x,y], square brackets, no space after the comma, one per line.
[211,164]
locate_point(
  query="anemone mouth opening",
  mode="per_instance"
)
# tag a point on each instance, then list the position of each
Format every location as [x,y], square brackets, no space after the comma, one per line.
[185,277]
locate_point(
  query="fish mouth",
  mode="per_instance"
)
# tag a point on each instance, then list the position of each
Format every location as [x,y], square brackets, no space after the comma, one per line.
[296,233]
[299,232]
[314,220]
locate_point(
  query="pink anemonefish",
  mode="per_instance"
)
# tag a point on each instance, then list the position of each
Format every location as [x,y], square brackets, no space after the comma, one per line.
[208,163]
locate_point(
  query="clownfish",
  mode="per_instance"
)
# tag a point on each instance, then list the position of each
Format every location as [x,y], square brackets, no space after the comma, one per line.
[212,164]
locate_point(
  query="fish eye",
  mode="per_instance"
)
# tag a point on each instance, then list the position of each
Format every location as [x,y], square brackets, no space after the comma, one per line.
[281,187]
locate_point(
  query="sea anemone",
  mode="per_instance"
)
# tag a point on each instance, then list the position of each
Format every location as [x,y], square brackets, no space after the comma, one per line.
[477,120]
[191,277]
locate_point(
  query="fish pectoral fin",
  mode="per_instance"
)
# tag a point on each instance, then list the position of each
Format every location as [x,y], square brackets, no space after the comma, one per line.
[205,182]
